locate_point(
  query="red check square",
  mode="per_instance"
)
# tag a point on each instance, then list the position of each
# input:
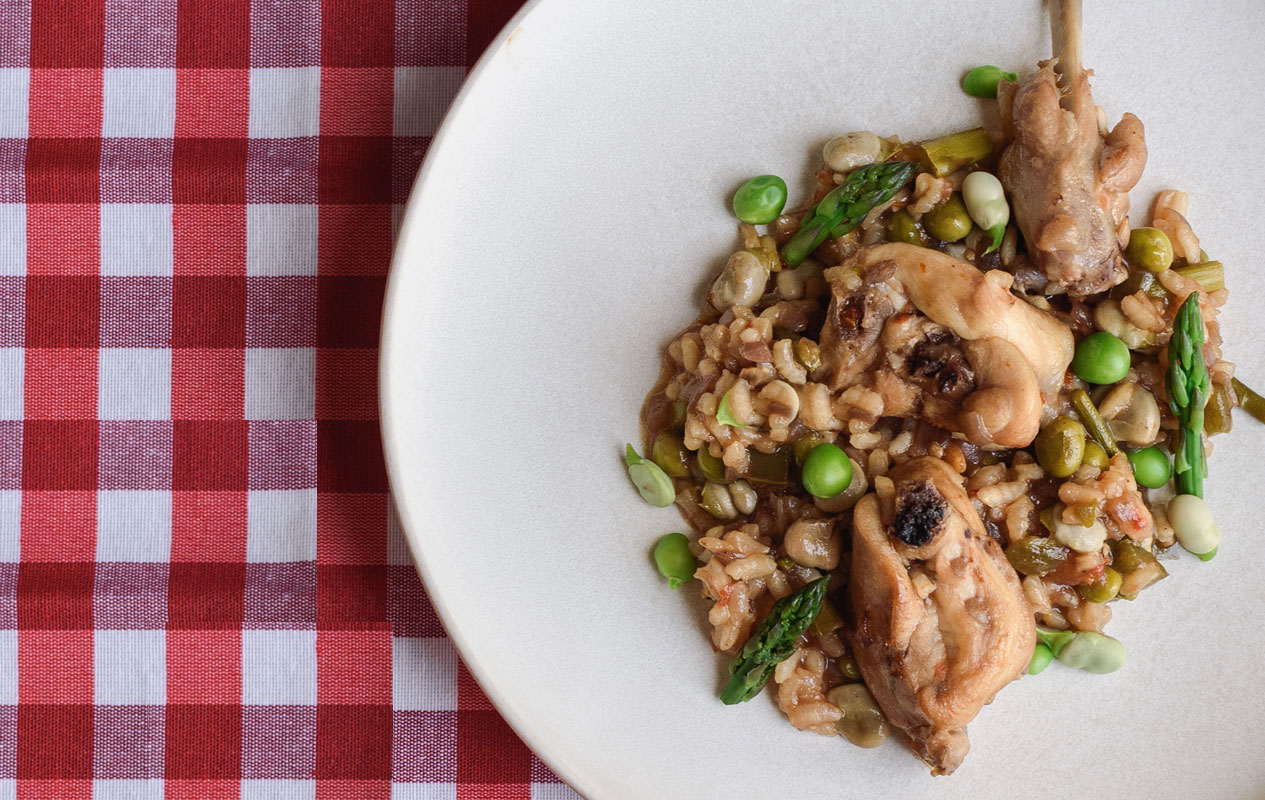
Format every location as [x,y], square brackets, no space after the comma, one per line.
[63,170]
[208,311]
[63,239]
[349,311]
[210,455]
[349,457]
[55,667]
[204,667]
[353,667]
[45,734]
[66,102]
[208,526]
[350,528]
[483,732]
[357,101]
[205,597]
[350,594]
[358,33]
[209,240]
[355,239]
[61,383]
[365,755]
[68,33]
[208,171]
[204,741]
[208,383]
[55,596]
[201,789]
[212,102]
[213,33]
[355,169]
[59,454]
[346,384]
[59,526]
[63,310]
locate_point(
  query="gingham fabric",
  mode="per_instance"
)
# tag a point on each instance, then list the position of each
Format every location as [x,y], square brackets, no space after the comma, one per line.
[202,590]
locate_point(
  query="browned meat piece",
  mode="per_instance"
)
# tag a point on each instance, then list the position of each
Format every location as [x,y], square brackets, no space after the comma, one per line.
[980,362]
[1068,181]
[940,621]
[862,301]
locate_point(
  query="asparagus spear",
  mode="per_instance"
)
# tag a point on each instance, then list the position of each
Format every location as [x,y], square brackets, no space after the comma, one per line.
[1249,401]
[1188,388]
[773,641]
[1094,423]
[841,211]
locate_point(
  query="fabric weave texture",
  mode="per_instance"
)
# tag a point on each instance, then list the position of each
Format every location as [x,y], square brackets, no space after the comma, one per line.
[204,592]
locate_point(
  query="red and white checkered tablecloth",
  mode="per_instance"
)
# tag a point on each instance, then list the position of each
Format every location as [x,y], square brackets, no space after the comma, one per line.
[202,590]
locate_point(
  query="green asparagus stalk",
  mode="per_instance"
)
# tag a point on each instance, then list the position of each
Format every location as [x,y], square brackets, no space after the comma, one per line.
[1188,389]
[841,211]
[1093,421]
[1249,401]
[773,641]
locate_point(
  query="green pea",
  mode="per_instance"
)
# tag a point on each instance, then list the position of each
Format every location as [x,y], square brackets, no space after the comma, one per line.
[805,444]
[1150,249]
[1101,358]
[1095,456]
[827,471]
[1151,467]
[673,558]
[1104,589]
[709,466]
[982,81]
[670,454]
[760,199]
[1060,447]
[949,221]
[1041,658]
[902,228]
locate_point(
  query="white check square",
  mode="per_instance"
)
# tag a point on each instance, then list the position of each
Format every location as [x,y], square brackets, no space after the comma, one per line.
[12,369]
[281,526]
[134,383]
[425,671]
[139,103]
[422,97]
[134,526]
[279,668]
[128,789]
[278,790]
[285,102]
[553,791]
[137,239]
[10,524]
[12,238]
[280,382]
[423,791]
[15,89]
[8,668]
[129,668]
[280,239]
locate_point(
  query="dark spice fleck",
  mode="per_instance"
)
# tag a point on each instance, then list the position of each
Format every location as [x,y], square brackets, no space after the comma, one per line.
[919,512]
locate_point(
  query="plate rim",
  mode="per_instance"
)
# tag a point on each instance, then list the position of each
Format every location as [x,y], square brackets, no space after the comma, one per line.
[387,342]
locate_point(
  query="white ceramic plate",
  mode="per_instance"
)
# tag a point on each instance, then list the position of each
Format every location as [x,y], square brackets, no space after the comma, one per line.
[566,221]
